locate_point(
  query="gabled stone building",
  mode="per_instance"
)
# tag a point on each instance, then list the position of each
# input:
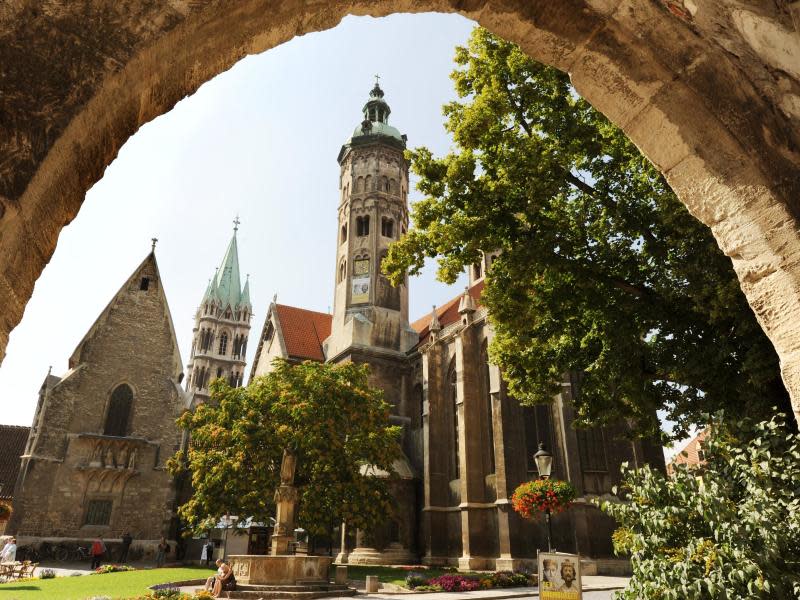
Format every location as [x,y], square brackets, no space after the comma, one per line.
[467,444]
[94,462]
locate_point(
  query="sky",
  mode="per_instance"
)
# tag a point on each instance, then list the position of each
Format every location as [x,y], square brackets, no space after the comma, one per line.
[259,141]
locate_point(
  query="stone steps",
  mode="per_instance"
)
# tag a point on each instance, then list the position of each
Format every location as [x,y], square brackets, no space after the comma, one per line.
[289,592]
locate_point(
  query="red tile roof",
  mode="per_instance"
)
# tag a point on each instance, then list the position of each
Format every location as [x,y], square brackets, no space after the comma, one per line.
[12,445]
[303,331]
[690,455]
[447,313]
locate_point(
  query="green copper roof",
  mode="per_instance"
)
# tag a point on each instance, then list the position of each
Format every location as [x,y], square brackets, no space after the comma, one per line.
[226,286]
[376,119]
[245,301]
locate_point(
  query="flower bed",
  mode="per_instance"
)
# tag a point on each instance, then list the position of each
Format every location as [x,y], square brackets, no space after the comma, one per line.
[112,569]
[534,498]
[467,583]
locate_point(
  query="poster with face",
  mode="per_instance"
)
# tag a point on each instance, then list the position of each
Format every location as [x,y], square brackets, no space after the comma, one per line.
[559,576]
[359,292]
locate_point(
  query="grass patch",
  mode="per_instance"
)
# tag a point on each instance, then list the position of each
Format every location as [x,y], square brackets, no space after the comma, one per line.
[393,575]
[116,585]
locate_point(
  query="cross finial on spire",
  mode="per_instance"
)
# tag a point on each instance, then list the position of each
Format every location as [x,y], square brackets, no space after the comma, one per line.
[377,79]
[236,222]
[154,240]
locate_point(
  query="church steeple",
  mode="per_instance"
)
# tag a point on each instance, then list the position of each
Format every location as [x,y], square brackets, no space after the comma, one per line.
[222,326]
[368,310]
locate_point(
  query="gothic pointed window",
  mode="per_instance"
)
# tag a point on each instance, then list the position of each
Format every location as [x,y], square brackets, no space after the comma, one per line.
[455,456]
[223,344]
[119,411]
[538,428]
[344,234]
[219,372]
[342,270]
[484,361]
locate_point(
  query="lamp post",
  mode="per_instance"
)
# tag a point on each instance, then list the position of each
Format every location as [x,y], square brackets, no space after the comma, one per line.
[544,464]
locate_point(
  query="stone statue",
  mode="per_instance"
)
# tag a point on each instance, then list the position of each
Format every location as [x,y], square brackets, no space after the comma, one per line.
[123,458]
[288,465]
[96,458]
[286,497]
[132,459]
[109,458]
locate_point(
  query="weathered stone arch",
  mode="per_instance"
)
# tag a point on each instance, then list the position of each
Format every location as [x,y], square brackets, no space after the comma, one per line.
[709,91]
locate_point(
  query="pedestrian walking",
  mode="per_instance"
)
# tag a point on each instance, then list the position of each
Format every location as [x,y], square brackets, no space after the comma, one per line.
[161,552]
[127,540]
[98,551]
[207,553]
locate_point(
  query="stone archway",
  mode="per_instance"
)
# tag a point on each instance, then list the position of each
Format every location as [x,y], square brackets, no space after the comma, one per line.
[709,91]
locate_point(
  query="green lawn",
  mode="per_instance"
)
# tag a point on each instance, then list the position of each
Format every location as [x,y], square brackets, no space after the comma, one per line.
[116,585]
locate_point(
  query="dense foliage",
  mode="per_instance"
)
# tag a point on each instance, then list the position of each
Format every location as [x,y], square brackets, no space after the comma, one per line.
[532,499]
[337,425]
[601,270]
[451,582]
[728,529]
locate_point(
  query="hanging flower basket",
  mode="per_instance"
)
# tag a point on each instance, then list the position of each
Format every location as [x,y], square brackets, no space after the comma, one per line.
[534,498]
[5,510]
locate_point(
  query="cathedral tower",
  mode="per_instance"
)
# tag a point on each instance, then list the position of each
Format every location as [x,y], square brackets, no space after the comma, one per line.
[221,328]
[373,213]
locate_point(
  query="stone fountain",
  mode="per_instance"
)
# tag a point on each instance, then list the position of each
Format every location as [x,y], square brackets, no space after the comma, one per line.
[284,575]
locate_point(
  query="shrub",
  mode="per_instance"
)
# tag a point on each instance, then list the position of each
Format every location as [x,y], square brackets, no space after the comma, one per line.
[730,529]
[203,595]
[533,498]
[47,574]
[414,580]
[429,588]
[5,510]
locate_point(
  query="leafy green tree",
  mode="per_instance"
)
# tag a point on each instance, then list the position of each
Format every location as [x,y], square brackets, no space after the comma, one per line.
[337,425]
[728,529]
[601,269]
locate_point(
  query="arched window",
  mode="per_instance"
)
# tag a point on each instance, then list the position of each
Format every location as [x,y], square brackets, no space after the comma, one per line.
[368,183]
[392,185]
[387,227]
[487,386]
[359,184]
[419,397]
[219,372]
[244,347]
[455,457]
[223,344]
[228,314]
[342,270]
[476,271]
[385,184]
[344,234]
[119,411]
[362,226]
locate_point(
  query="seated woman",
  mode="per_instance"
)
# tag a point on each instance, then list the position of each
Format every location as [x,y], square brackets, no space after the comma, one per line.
[226,582]
[210,581]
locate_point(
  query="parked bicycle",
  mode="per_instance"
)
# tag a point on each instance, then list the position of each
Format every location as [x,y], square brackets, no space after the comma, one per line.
[69,553]
[28,553]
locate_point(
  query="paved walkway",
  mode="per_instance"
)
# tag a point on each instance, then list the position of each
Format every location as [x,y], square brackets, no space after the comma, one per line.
[595,587]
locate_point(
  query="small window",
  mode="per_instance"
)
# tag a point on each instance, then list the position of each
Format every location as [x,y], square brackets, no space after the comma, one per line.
[344,234]
[223,344]
[342,270]
[269,332]
[144,284]
[387,227]
[219,372]
[362,226]
[98,512]
[476,271]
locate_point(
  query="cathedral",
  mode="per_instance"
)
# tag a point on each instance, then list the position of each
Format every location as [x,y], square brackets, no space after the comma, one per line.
[467,444]
[94,463]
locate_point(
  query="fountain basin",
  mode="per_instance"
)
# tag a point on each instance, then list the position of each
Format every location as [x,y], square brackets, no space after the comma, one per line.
[280,570]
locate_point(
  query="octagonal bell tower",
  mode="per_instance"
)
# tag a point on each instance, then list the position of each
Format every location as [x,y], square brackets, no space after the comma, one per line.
[368,311]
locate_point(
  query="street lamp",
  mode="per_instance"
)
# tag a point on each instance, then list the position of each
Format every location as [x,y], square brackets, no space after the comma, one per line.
[544,464]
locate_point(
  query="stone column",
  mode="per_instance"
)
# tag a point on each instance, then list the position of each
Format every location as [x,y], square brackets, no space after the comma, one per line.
[341,558]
